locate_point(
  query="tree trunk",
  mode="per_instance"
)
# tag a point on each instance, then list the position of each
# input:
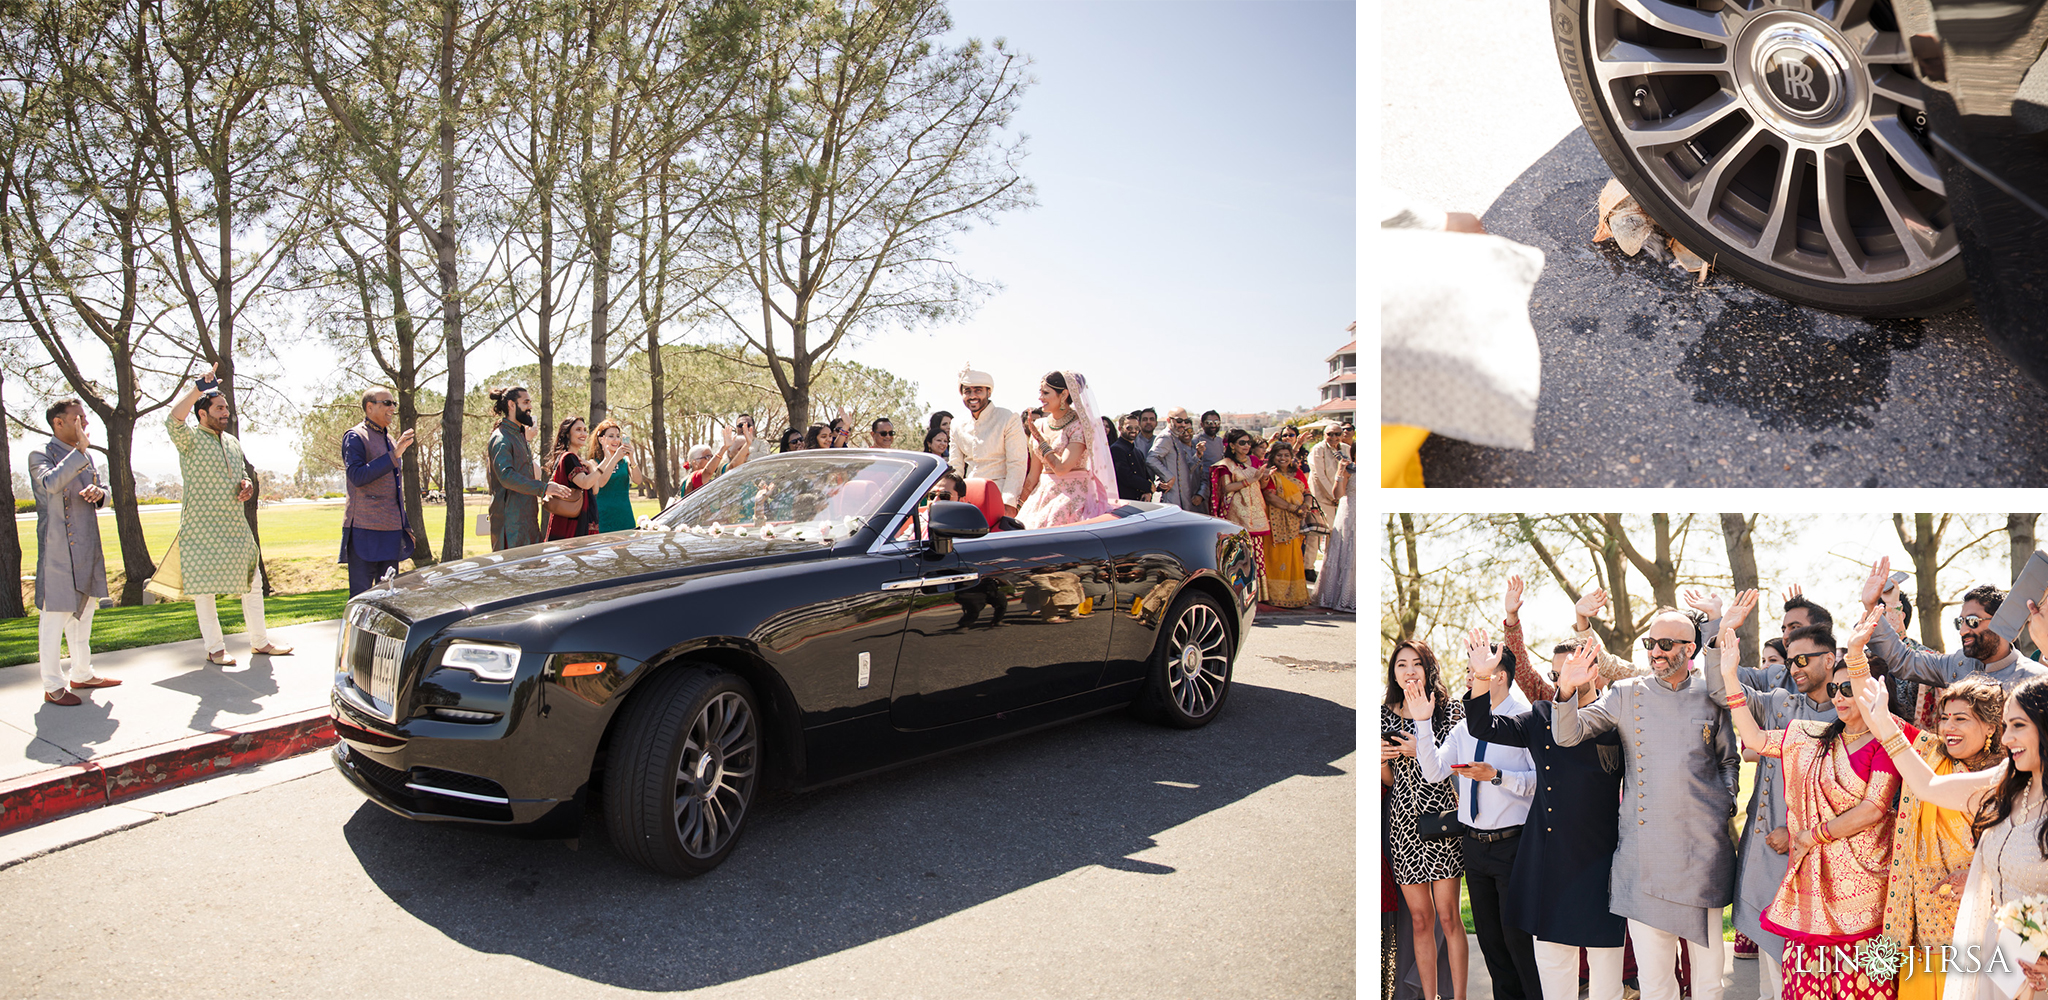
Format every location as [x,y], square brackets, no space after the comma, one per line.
[600,314]
[10,537]
[405,384]
[1410,584]
[1923,544]
[2020,528]
[136,565]
[1739,533]
[664,485]
[451,298]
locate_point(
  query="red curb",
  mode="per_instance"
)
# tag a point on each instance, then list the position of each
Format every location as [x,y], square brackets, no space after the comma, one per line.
[47,795]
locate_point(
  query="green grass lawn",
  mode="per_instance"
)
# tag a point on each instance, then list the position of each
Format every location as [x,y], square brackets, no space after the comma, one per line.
[147,625]
[300,542]
[299,546]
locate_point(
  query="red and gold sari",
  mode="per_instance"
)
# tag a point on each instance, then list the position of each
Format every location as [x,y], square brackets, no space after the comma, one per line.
[1245,508]
[1833,899]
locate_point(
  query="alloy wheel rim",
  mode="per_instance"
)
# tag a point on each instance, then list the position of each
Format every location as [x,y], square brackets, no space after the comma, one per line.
[714,779]
[1199,668]
[1795,133]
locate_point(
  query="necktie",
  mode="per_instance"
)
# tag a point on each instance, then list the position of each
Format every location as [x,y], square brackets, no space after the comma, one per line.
[1477,757]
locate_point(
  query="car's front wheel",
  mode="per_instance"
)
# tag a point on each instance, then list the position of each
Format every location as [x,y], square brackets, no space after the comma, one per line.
[1189,675]
[683,770]
[1785,142]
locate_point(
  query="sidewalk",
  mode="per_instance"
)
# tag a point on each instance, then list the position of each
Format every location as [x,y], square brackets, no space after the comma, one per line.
[174,719]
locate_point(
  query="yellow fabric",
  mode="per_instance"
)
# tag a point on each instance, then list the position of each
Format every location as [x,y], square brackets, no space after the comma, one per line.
[1401,456]
[1286,584]
[1931,852]
[1919,982]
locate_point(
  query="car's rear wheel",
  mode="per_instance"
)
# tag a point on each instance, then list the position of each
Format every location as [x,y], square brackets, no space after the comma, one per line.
[1189,676]
[1786,143]
[683,770]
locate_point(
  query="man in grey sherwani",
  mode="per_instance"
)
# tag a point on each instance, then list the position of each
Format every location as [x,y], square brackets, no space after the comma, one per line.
[71,570]
[1674,869]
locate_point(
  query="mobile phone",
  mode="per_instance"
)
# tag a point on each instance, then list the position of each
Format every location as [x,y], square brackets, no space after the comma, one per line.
[1459,767]
[1389,739]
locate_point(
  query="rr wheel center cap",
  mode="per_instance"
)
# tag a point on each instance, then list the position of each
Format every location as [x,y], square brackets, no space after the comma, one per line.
[1191,659]
[709,772]
[1801,71]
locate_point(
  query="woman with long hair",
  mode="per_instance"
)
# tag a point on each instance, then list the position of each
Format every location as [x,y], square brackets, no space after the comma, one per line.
[1079,482]
[1932,846]
[937,442]
[1427,870]
[941,421]
[2007,802]
[580,477]
[615,496]
[792,440]
[1286,501]
[1234,494]
[1839,789]
[818,436]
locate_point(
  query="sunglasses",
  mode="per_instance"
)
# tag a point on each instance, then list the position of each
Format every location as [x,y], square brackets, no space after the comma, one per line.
[1802,659]
[1181,420]
[942,494]
[885,434]
[1970,621]
[1664,644]
[1844,688]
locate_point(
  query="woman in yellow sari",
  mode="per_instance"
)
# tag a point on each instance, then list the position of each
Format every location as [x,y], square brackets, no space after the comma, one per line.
[1839,789]
[1932,846]
[1286,502]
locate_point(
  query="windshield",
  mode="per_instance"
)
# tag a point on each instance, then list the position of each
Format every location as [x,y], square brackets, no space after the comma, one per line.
[822,495]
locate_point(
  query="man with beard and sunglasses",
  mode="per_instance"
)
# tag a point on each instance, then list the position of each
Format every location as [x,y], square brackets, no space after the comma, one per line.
[1674,864]
[1984,651]
[1763,854]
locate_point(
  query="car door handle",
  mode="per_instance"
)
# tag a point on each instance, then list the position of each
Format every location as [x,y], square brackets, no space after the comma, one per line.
[931,581]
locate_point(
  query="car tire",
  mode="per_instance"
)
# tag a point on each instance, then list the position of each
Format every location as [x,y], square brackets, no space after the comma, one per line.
[1189,676]
[683,770]
[1703,136]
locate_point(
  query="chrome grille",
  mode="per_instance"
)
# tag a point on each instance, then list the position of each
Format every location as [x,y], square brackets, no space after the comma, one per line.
[367,658]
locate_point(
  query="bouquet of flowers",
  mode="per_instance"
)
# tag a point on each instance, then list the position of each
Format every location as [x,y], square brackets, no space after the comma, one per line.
[2022,937]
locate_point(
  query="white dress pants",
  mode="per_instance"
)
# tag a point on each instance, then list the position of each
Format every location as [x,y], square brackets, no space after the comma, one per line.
[1770,978]
[1558,964]
[1657,961]
[76,631]
[252,618]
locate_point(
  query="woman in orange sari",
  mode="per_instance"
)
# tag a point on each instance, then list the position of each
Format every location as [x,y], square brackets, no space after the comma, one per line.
[1286,501]
[1839,787]
[1932,846]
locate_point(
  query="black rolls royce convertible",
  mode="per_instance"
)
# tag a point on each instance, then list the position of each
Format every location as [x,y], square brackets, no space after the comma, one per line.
[801,620]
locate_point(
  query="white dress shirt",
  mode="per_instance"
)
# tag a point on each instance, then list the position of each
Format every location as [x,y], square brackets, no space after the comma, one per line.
[1483,805]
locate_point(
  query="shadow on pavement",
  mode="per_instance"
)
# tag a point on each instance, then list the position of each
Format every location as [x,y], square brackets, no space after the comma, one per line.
[83,726]
[1650,379]
[836,869]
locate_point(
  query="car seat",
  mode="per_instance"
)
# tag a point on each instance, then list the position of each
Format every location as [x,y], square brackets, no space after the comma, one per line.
[986,495]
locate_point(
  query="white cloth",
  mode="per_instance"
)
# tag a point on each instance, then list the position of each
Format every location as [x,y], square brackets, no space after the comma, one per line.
[252,619]
[1558,966]
[1458,355]
[1497,806]
[992,447]
[1770,979]
[76,631]
[1335,587]
[1657,961]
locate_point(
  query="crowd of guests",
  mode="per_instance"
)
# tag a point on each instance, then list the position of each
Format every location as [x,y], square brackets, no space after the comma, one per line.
[1054,465]
[1897,804]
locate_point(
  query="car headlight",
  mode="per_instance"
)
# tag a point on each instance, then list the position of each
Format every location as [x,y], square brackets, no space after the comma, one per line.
[488,663]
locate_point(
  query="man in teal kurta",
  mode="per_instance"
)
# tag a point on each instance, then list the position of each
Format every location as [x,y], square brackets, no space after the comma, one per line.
[216,550]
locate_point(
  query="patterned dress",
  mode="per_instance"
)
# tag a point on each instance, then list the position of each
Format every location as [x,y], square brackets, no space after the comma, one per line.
[1931,852]
[1066,497]
[1286,583]
[216,551]
[1833,899]
[1417,861]
[2008,866]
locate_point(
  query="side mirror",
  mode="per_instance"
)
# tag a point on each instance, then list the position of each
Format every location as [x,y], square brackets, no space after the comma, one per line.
[946,520]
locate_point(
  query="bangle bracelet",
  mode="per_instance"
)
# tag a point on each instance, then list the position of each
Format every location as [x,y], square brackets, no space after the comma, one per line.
[1738,701]
[1820,833]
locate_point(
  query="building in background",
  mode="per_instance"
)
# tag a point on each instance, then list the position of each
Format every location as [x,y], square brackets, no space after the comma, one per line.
[1340,389]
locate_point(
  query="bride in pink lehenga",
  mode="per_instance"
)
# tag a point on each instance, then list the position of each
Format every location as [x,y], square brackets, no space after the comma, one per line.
[1079,482]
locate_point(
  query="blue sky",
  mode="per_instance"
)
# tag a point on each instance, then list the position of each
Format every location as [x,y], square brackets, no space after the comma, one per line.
[1195,240]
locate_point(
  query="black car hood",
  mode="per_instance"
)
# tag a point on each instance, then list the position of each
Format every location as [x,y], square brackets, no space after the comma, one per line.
[574,566]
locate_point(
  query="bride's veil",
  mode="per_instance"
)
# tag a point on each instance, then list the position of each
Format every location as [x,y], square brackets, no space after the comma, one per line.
[1086,409]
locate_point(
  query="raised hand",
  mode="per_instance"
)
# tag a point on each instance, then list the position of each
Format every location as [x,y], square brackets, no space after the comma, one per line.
[1421,706]
[1590,604]
[1707,602]
[1731,652]
[1792,590]
[1513,600]
[1866,627]
[1482,658]
[1745,603]
[1579,669]
[404,441]
[1873,585]
[1875,700]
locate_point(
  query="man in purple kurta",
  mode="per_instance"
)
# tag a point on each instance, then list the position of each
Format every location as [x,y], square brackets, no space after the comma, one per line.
[374,534]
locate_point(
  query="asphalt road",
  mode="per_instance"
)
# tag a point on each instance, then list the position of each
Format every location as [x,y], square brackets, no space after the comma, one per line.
[1648,378]
[1108,858]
